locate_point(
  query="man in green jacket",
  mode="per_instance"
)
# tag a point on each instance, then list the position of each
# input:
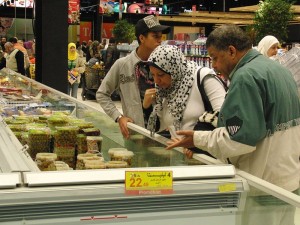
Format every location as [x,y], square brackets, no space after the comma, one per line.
[258,127]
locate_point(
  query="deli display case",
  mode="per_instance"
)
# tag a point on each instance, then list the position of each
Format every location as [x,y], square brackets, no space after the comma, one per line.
[97,177]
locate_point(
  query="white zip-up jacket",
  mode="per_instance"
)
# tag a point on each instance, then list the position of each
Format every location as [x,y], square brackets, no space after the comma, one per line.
[121,77]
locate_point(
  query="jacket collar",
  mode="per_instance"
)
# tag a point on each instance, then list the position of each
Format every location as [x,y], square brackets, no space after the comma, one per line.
[250,55]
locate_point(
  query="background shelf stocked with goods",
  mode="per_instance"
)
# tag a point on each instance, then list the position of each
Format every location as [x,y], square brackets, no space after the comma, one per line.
[193,50]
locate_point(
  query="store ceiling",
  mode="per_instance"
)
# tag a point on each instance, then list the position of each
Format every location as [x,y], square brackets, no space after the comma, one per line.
[239,16]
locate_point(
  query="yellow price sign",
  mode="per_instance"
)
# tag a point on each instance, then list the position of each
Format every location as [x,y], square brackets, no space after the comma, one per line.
[227,187]
[148,182]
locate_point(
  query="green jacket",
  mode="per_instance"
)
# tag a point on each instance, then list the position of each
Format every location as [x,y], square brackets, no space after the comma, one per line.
[258,123]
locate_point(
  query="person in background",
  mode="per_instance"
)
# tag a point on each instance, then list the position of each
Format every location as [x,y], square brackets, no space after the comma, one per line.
[179,103]
[258,129]
[112,54]
[76,66]
[18,44]
[14,58]
[129,76]
[268,46]
[283,49]
[88,55]
[94,51]
[3,41]
[2,59]
[84,48]
[103,44]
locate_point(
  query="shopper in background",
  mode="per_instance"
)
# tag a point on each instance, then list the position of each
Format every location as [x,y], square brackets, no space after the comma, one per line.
[268,46]
[76,66]
[88,55]
[14,58]
[3,41]
[179,103]
[84,48]
[104,44]
[2,59]
[128,76]
[283,49]
[258,126]
[111,55]
[94,51]
[18,44]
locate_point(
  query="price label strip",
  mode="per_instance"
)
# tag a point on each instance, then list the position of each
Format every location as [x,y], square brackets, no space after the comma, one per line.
[228,187]
[148,182]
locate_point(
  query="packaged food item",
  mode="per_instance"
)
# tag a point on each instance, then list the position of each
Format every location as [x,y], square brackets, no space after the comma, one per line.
[94,143]
[81,144]
[82,159]
[94,164]
[57,121]
[66,136]
[44,160]
[30,126]
[116,164]
[17,127]
[125,156]
[59,166]
[111,151]
[38,141]
[81,124]
[66,154]
[91,131]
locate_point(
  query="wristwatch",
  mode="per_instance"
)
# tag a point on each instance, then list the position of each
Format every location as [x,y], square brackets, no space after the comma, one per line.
[118,118]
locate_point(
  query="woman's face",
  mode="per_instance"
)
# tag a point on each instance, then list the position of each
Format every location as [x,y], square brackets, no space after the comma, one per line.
[72,49]
[273,50]
[162,79]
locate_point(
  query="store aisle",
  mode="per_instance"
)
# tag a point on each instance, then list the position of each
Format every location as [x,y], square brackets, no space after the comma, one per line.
[95,104]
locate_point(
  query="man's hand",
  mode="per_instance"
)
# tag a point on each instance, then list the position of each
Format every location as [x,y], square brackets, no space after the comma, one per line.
[187,141]
[123,126]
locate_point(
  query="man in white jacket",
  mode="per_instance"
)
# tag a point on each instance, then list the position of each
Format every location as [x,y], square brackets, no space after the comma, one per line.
[259,121]
[127,77]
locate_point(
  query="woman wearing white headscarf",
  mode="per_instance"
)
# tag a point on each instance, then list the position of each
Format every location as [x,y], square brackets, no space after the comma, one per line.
[268,46]
[178,100]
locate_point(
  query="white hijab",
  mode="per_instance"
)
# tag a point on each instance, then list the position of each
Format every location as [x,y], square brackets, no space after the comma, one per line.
[265,44]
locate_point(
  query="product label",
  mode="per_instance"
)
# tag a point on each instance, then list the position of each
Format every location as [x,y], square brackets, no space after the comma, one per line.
[148,182]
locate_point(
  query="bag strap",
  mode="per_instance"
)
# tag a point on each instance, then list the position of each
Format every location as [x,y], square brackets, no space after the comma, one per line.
[207,104]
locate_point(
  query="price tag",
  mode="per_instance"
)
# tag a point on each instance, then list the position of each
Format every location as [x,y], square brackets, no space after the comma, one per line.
[148,182]
[227,187]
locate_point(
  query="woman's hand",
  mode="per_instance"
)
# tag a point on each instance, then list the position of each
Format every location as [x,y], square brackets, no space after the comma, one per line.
[149,98]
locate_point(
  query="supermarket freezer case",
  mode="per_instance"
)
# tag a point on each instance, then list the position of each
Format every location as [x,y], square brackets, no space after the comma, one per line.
[83,197]
[208,193]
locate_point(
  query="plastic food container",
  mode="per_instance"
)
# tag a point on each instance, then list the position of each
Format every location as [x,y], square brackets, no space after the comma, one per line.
[83,159]
[94,143]
[125,156]
[44,160]
[111,151]
[116,164]
[94,164]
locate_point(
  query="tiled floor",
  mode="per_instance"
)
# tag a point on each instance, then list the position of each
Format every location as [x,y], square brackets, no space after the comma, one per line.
[95,104]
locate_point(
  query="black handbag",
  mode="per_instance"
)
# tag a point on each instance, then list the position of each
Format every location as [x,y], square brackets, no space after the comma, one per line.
[207,106]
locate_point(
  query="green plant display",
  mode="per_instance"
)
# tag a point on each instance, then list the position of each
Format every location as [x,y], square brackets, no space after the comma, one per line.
[124,31]
[272,18]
